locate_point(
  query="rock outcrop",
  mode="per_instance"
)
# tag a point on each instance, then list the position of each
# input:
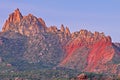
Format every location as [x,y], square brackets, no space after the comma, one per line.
[25,25]
[27,39]
[91,52]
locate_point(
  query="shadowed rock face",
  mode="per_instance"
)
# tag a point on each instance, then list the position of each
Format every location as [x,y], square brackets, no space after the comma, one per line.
[37,43]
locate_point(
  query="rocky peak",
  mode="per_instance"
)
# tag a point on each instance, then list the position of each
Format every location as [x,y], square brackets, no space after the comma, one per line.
[25,25]
[62,29]
[42,22]
[30,18]
[67,31]
[16,16]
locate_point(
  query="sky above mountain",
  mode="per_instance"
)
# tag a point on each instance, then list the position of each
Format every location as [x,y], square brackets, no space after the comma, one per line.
[93,15]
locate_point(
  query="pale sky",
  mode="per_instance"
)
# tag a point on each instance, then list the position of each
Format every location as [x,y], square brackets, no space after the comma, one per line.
[93,15]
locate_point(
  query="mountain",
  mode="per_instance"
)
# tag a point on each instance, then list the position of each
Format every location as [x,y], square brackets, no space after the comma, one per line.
[26,43]
[28,38]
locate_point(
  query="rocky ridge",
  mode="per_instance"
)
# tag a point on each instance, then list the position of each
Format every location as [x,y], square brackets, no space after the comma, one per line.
[28,39]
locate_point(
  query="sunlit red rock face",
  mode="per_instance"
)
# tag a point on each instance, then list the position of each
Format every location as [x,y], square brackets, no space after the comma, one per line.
[90,52]
[81,50]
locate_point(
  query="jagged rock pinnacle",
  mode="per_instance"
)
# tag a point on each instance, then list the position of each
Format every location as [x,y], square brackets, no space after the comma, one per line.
[26,25]
[62,29]
[16,16]
[42,22]
[67,31]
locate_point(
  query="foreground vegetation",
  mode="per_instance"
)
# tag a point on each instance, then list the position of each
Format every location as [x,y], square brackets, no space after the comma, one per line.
[53,74]
[45,74]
